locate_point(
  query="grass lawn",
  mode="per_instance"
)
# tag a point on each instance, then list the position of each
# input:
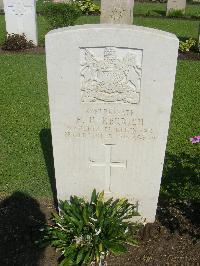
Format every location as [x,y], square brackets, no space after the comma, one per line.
[182,167]
[25,114]
[182,28]
[160,9]
[25,128]
[2,28]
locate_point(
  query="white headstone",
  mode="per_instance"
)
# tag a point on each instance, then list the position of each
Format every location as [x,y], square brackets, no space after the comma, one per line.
[173,5]
[110,96]
[20,16]
[1,5]
[117,11]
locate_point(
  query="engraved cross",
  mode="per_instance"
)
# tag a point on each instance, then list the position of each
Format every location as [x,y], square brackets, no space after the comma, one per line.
[108,164]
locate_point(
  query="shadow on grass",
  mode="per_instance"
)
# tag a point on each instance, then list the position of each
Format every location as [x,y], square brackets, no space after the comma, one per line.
[181,176]
[46,144]
[179,201]
[20,220]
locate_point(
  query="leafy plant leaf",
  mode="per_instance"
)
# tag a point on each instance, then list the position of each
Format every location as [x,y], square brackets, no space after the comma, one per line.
[83,230]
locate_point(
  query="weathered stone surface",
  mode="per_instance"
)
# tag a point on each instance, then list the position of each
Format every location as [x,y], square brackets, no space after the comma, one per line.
[117,11]
[173,5]
[1,5]
[110,95]
[20,16]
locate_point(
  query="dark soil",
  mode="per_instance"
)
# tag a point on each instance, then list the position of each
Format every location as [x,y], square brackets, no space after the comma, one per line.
[174,239]
[34,50]
[189,56]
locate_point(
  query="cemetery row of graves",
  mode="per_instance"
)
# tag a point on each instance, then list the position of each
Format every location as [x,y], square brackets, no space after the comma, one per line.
[108,91]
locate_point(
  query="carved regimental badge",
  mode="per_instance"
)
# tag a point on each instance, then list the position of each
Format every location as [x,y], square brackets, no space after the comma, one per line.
[111,75]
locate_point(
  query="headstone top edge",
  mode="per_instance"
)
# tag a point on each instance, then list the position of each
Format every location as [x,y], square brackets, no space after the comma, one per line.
[112,26]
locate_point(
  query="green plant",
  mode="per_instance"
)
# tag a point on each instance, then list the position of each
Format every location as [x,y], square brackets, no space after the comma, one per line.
[17,42]
[148,13]
[87,7]
[175,13]
[87,232]
[40,6]
[60,14]
[187,45]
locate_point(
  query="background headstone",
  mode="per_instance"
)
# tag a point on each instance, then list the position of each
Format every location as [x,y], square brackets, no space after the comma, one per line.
[110,95]
[20,16]
[173,5]
[1,5]
[117,11]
